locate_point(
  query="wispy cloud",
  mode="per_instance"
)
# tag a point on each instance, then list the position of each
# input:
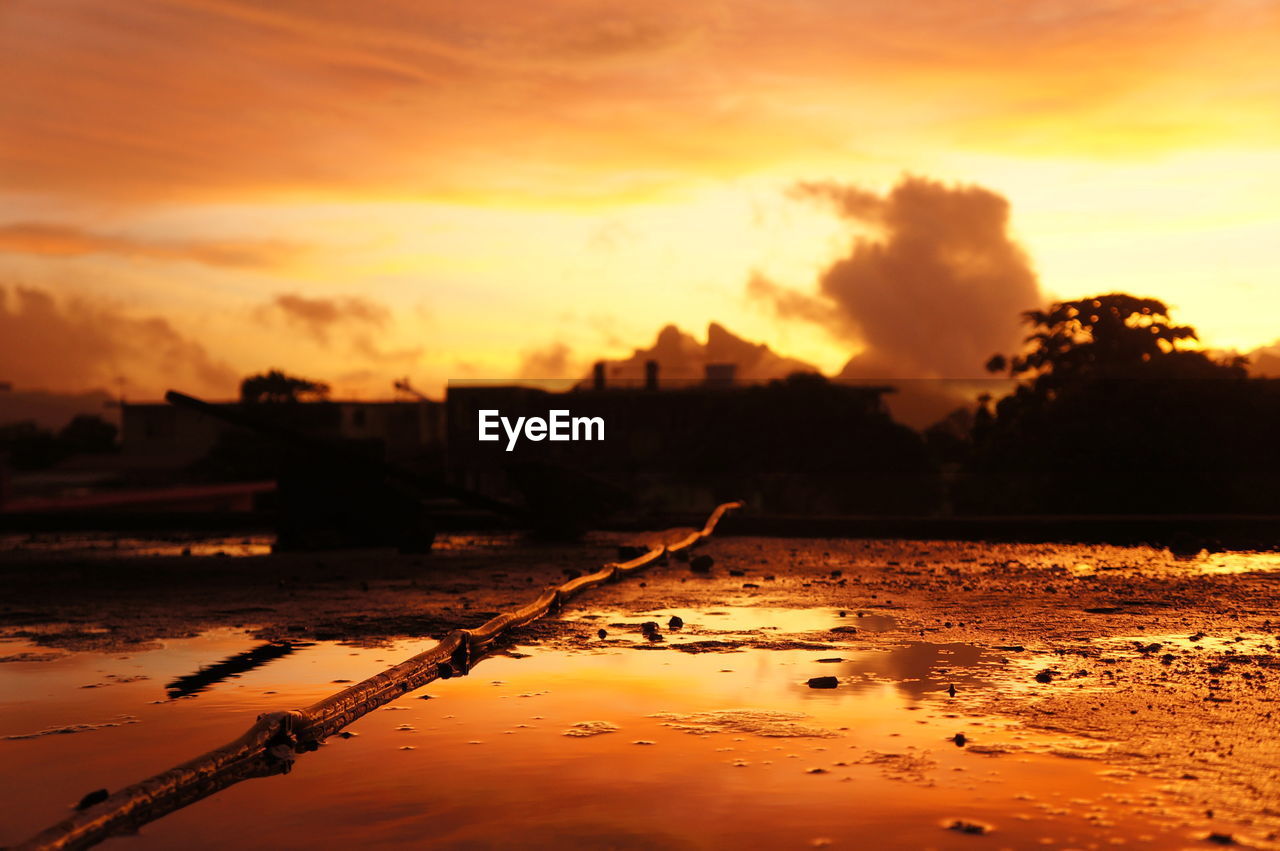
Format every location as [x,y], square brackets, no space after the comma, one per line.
[406,97]
[57,240]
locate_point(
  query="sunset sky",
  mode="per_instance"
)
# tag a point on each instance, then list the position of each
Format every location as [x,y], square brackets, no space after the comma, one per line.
[191,190]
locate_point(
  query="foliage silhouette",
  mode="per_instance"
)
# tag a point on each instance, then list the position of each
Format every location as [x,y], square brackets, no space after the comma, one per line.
[1115,414]
[275,386]
[29,446]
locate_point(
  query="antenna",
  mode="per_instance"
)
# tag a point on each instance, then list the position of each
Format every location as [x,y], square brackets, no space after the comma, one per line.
[403,385]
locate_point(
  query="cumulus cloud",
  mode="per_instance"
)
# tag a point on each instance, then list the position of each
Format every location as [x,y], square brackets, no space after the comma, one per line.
[681,357]
[320,317]
[553,361]
[55,240]
[1265,360]
[76,344]
[932,286]
[352,322]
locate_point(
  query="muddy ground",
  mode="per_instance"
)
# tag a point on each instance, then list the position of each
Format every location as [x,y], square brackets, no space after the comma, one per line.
[1170,665]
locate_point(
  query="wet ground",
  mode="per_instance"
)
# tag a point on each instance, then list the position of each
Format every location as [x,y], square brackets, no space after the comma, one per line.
[981,696]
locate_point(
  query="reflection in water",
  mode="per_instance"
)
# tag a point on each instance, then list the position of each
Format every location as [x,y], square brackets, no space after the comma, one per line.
[737,620]
[113,545]
[705,751]
[232,666]
[1236,562]
[921,668]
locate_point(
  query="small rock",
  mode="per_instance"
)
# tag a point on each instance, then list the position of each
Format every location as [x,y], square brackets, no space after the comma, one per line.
[1221,839]
[675,623]
[701,563]
[975,828]
[648,627]
[602,633]
[823,682]
[960,739]
[1045,676]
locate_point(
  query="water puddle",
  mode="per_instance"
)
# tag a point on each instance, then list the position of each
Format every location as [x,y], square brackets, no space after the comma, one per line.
[745,620]
[38,545]
[608,748]
[107,545]
[1236,562]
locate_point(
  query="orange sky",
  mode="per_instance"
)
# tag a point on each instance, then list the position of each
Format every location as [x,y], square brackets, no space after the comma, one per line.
[196,189]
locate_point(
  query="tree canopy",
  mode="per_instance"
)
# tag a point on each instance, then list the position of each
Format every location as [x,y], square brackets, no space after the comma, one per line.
[275,386]
[1107,336]
[1116,412]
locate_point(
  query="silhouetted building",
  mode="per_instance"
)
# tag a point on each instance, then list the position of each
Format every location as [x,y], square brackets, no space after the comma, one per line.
[168,436]
[802,445]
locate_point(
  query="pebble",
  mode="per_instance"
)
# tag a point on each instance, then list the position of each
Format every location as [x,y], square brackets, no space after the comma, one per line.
[823,682]
[975,828]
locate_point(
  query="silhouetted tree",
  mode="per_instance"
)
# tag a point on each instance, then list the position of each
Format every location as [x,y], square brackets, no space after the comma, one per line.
[276,386]
[1117,414]
[30,446]
[88,433]
[1107,336]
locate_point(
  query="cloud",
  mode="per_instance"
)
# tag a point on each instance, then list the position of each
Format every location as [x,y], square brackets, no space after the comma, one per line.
[319,317]
[54,240]
[400,97]
[76,344]
[681,357]
[1265,360]
[406,358]
[932,286]
[553,361]
[353,321]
